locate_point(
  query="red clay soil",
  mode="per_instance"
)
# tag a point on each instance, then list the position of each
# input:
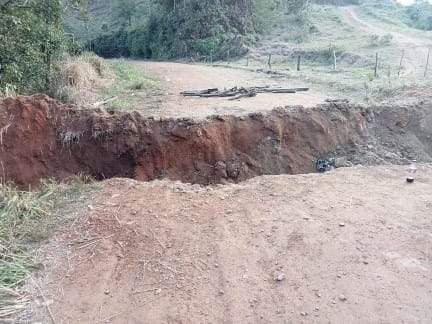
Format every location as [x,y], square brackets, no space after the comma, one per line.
[40,138]
[349,246]
[43,138]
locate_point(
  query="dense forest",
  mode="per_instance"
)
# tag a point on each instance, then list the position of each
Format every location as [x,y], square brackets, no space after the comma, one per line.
[189,28]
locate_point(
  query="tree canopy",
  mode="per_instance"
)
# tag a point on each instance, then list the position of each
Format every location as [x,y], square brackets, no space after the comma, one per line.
[184,28]
[31,37]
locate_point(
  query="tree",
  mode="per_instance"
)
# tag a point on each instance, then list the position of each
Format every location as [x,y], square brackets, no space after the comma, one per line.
[125,10]
[31,37]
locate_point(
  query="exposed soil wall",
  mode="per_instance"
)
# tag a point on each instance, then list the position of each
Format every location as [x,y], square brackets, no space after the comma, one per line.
[41,138]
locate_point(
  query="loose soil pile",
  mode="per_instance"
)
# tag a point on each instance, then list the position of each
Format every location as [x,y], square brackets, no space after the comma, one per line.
[42,138]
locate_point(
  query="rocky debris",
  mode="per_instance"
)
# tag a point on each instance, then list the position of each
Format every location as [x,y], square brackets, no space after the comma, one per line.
[279,276]
[342,162]
[342,298]
[221,170]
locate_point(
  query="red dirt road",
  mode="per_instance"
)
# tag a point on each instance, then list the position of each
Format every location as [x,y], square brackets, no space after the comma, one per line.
[350,246]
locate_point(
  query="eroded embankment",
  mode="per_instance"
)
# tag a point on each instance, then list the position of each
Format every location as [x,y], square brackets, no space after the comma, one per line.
[41,138]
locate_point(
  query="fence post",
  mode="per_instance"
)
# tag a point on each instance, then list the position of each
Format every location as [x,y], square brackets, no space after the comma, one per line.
[376,66]
[427,63]
[334,60]
[269,62]
[247,60]
[400,63]
[298,62]
[389,76]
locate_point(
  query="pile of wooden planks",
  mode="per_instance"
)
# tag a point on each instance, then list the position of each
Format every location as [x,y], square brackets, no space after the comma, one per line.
[239,92]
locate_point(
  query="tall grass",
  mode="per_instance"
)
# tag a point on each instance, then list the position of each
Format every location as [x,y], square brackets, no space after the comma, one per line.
[27,217]
[129,81]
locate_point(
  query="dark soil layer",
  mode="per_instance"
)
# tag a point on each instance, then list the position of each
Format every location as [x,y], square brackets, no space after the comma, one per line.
[42,138]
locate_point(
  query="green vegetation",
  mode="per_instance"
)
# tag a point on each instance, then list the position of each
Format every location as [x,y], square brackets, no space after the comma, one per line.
[387,11]
[31,40]
[417,15]
[201,29]
[355,50]
[377,40]
[27,217]
[129,83]
[420,15]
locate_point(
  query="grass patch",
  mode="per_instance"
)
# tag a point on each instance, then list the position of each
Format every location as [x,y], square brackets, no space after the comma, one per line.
[129,82]
[27,218]
[393,14]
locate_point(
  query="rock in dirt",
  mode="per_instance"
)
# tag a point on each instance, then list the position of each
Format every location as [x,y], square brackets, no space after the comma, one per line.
[342,162]
[343,298]
[279,276]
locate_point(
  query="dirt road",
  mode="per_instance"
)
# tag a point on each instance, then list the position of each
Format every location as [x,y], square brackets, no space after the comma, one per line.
[349,246]
[178,77]
[414,44]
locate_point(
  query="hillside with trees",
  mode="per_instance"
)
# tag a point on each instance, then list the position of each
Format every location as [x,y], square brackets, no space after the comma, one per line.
[164,29]
[168,29]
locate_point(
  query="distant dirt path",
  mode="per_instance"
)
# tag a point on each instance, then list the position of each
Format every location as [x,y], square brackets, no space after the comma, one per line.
[177,77]
[415,46]
[348,246]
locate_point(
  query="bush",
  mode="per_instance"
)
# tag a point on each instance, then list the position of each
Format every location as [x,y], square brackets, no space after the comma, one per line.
[376,40]
[111,45]
[420,15]
[386,39]
[74,48]
[373,40]
[31,38]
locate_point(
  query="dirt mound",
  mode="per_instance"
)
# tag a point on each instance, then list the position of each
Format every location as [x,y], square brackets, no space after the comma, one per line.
[41,138]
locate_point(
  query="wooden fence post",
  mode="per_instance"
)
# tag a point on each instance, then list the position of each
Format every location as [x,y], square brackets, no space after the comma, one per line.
[389,76]
[400,63]
[376,66]
[427,63]
[334,60]
[269,62]
[247,60]
[298,62]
